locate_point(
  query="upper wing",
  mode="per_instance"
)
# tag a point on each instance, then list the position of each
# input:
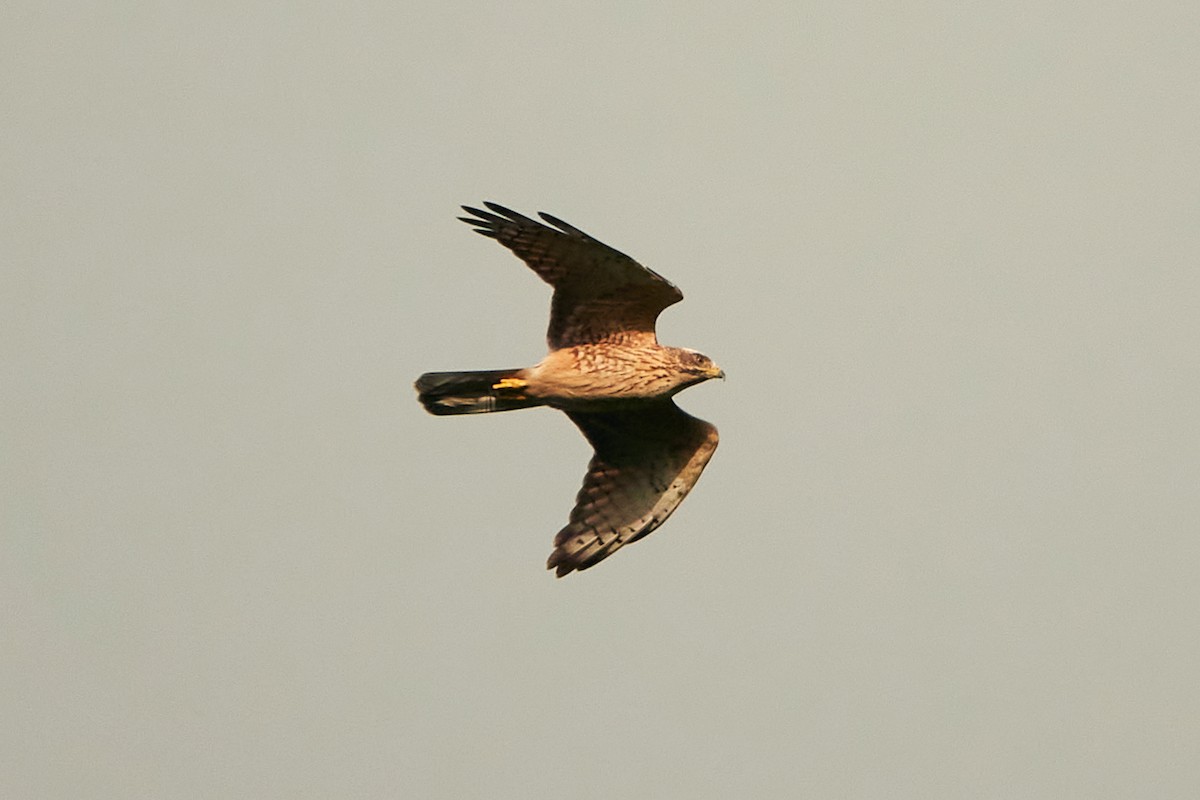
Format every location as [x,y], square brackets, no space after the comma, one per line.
[646,462]
[599,293]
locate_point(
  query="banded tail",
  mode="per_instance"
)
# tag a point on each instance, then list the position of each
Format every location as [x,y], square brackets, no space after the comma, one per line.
[445,393]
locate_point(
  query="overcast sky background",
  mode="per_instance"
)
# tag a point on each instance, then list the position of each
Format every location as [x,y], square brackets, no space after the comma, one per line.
[947,254]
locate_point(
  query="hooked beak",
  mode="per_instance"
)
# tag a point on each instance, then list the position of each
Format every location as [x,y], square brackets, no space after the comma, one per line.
[716,372]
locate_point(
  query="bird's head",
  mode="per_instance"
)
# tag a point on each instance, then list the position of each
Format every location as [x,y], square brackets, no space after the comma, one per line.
[696,367]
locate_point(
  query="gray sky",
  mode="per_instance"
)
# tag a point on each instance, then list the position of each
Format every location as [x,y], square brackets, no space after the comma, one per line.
[946,252]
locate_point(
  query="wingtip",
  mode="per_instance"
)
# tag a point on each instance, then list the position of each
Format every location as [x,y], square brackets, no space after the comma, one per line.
[477,213]
[506,213]
[559,564]
[497,213]
[565,227]
[479,226]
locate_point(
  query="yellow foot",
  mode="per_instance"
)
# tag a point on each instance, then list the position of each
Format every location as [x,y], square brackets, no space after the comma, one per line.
[510,383]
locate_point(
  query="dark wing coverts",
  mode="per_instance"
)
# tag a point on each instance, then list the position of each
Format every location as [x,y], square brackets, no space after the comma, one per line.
[599,293]
[646,462]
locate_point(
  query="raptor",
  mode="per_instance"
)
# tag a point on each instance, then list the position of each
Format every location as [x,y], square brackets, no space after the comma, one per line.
[607,372]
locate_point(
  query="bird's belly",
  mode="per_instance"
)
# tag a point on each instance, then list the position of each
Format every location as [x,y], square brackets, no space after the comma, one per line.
[586,379]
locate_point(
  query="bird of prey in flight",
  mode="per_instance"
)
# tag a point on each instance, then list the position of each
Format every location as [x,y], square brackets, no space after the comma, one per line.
[607,372]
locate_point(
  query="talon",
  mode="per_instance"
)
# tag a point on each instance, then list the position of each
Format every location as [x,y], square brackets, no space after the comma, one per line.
[510,383]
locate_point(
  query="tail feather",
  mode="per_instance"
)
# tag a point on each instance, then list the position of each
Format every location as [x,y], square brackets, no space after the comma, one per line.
[445,393]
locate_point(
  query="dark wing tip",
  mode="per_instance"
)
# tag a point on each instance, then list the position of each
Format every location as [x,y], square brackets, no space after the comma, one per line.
[497,214]
[480,214]
[481,227]
[507,213]
[565,227]
[489,222]
[499,209]
[561,562]
[560,568]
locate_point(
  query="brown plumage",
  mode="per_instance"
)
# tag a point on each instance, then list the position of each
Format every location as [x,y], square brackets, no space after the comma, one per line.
[607,371]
